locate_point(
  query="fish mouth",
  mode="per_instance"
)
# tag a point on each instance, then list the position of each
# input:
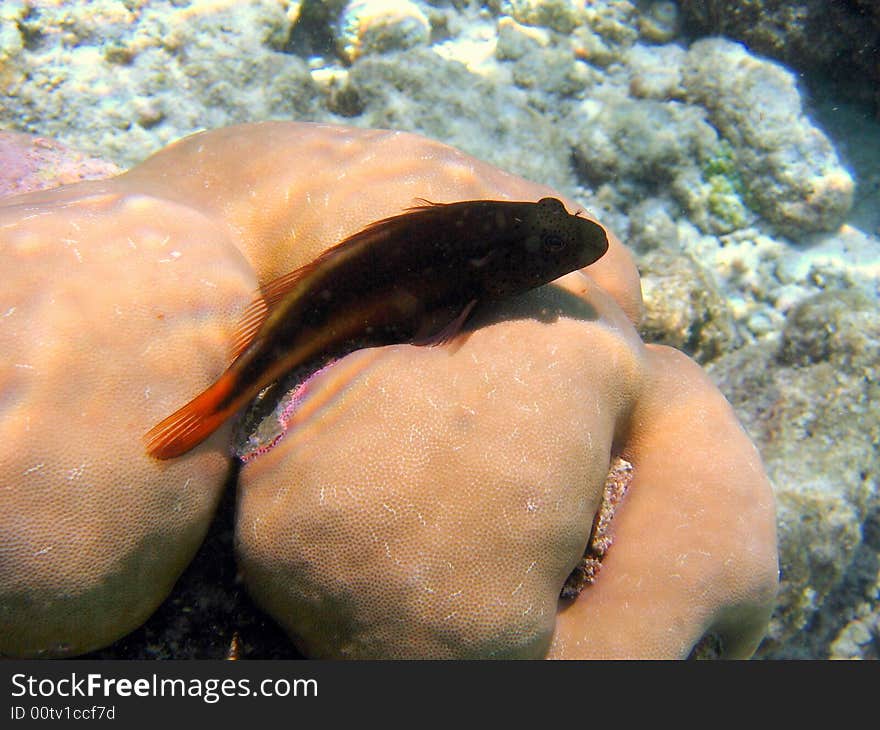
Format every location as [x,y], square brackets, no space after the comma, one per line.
[292,406]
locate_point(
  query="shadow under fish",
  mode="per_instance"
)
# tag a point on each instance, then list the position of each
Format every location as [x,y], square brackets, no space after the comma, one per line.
[412,278]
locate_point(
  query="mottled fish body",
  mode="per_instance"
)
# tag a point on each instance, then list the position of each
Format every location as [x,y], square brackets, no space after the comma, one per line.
[410,278]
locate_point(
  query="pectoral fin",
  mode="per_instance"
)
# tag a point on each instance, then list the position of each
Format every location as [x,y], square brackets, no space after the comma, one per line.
[450,330]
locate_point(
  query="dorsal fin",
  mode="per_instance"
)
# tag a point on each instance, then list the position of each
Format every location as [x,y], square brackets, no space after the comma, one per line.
[265,300]
[274,291]
[251,320]
[422,203]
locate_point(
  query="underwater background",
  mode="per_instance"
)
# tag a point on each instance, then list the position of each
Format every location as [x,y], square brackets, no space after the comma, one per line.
[733,146]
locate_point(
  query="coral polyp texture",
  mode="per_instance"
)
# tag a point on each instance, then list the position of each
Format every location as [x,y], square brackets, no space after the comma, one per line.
[115,306]
[424,501]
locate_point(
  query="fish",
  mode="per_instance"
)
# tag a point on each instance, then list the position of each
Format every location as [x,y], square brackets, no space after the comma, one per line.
[411,278]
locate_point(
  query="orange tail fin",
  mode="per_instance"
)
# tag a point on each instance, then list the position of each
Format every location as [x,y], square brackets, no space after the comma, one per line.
[186,428]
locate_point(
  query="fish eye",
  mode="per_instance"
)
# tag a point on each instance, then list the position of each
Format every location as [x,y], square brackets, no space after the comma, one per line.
[552,242]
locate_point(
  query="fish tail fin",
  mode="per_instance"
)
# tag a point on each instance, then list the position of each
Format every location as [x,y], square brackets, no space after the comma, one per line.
[189,426]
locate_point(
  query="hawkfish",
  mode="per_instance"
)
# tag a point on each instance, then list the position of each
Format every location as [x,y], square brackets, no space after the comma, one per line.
[411,278]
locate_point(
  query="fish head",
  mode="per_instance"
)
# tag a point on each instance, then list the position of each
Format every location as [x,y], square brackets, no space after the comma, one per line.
[545,243]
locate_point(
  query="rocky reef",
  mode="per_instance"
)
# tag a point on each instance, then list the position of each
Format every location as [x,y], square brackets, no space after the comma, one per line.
[641,114]
[832,40]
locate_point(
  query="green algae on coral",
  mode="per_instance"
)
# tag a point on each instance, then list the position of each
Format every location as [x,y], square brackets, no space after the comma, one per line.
[727,192]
